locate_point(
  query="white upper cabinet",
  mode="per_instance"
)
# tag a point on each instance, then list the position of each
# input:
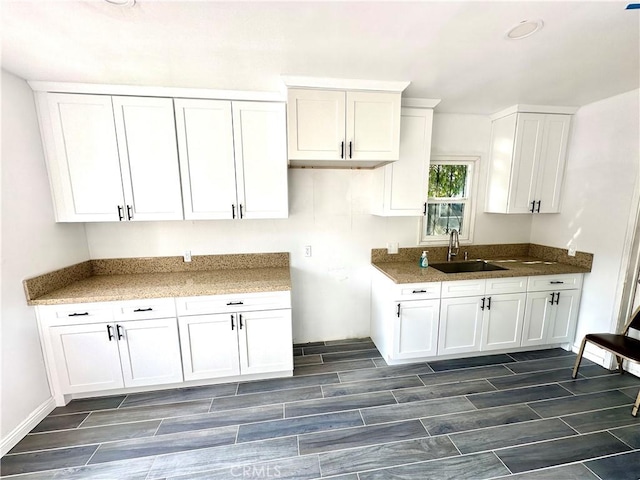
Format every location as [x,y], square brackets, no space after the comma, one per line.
[528,154]
[232,159]
[400,188]
[342,129]
[148,154]
[82,156]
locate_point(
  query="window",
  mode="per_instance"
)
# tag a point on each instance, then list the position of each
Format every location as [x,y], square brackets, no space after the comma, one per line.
[449,203]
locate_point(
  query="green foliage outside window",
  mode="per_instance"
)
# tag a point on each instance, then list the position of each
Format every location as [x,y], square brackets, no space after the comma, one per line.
[447,181]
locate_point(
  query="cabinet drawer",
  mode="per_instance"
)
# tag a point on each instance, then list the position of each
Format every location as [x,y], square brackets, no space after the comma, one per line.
[233,303]
[144,309]
[506,285]
[555,282]
[76,313]
[463,288]
[417,291]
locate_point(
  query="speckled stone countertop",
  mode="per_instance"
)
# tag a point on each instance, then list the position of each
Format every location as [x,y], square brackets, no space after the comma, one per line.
[517,259]
[158,277]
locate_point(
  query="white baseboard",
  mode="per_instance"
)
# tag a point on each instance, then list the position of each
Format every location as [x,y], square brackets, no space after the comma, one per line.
[27,425]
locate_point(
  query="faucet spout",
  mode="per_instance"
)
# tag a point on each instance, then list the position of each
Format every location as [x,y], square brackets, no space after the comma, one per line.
[454,242]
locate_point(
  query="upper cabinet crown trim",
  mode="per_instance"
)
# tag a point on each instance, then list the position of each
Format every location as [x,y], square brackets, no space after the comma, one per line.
[524,108]
[146,91]
[344,84]
[420,102]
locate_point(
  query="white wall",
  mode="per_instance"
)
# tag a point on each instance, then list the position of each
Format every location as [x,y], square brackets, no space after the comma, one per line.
[328,209]
[32,244]
[597,202]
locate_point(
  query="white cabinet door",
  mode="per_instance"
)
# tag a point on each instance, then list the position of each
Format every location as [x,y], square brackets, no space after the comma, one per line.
[566,316]
[207,164]
[460,325]
[149,352]
[146,133]
[261,159]
[416,329]
[86,357]
[372,126]
[265,340]
[209,346]
[552,161]
[526,158]
[316,120]
[538,315]
[82,156]
[502,321]
[401,187]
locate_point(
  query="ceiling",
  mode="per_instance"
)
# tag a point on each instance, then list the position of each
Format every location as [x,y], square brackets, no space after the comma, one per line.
[455,51]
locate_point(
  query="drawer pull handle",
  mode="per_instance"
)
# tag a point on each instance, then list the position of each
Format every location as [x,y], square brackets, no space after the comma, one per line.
[120,331]
[556,282]
[235,303]
[142,310]
[83,314]
[419,291]
[109,332]
[240,319]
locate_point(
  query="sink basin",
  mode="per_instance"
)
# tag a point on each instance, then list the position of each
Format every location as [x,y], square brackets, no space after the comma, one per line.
[463,267]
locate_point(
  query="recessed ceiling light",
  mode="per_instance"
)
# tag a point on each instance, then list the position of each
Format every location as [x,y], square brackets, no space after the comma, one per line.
[122,3]
[524,29]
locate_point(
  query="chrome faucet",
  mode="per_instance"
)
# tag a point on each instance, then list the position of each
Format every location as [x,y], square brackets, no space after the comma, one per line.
[454,242]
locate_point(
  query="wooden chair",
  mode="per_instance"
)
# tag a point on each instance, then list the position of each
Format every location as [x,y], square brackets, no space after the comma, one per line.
[621,345]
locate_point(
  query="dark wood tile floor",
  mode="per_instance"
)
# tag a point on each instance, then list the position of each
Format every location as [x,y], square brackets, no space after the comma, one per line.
[345,414]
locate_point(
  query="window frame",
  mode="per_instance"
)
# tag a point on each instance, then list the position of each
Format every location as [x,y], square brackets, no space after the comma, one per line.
[472,161]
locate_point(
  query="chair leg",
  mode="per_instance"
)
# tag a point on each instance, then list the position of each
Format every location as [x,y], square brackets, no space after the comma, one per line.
[620,369]
[579,359]
[636,405]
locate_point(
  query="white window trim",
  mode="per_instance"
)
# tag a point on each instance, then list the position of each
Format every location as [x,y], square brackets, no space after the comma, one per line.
[466,237]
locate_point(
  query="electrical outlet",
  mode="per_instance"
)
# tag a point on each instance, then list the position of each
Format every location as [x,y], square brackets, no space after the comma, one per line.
[307,250]
[187,255]
[572,251]
[392,247]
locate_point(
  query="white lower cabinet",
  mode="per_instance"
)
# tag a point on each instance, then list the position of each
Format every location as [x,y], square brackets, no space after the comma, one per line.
[416,329]
[103,356]
[502,321]
[265,341]
[550,317]
[460,325]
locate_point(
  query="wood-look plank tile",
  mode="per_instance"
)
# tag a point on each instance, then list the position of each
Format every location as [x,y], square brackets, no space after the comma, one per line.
[518,395]
[179,395]
[217,458]
[348,341]
[85,436]
[299,425]
[350,355]
[461,375]
[625,466]
[89,404]
[557,452]
[138,414]
[414,410]
[335,348]
[475,419]
[380,362]
[333,367]
[590,371]
[60,422]
[631,392]
[508,435]
[385,455]
[360,436]
[265,398]
[47,460]
[599,384]
[348,402]
[307,360]
[175,442]
[547,364]
[308,344]
[385,372]
[258,386]
[603,419]
[442,365]
[579,403]
[576,471]
[221,419]
[629,435]
[538,354]
[297,351]
[127,469]
[297,468]
[471,467]
[444,390]
[528,379]
[353,388]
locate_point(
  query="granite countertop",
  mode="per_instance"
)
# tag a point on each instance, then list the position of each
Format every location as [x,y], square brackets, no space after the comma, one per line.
[130,279]
[410,272]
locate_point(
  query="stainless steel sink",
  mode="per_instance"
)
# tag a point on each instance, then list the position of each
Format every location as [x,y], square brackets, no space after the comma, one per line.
[464,267]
